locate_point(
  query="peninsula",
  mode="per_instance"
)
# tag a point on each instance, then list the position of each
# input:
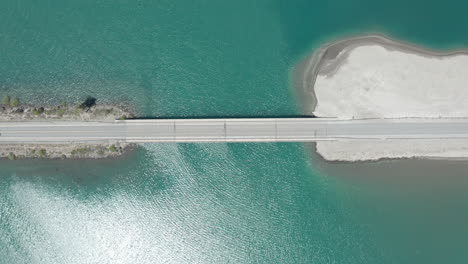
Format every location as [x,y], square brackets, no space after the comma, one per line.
[13,111]
[374,77]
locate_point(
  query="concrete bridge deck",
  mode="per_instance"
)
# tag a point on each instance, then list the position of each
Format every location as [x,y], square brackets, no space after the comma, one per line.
[231,130]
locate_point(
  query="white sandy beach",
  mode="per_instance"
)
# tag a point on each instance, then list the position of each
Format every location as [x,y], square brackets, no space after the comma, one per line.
[393,149]
[374,82]
[374,77]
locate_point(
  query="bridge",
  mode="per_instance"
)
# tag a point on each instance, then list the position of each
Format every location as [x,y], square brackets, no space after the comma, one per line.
[230,130]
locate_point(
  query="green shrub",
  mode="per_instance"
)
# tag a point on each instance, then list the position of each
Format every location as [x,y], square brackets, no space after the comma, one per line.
[15,102]
[42,152]
[11,156]
[61,111]
[80,151]
[6,100]
[113,148]
[78,110]
[38,111]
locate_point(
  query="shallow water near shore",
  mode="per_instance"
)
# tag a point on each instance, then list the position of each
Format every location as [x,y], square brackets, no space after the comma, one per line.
[215,203]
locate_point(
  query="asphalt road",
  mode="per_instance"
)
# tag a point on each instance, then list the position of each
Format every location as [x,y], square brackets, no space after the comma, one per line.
[231,130]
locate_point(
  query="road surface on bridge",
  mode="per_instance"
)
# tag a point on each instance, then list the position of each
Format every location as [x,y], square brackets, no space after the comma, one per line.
[231,130]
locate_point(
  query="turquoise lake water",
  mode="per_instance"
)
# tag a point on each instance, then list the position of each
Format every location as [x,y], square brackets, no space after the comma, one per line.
[215,203]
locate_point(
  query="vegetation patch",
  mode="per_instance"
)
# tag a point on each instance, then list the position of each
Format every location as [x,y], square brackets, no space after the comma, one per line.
[80,151]
[113,148]
[58,151]
[42,152]
[6,100]
[15,102]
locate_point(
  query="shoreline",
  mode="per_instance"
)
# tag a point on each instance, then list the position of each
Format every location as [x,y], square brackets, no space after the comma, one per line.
[311,150]
[322,66]
[64,151]
[63,112]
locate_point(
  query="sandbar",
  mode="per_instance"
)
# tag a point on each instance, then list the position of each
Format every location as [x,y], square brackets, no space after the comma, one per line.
[374,76]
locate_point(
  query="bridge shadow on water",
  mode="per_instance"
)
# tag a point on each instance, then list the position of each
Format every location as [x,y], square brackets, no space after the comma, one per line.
[221,117]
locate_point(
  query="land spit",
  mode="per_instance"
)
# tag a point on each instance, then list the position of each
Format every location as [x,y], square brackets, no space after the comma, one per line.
[376,77]
[63,112]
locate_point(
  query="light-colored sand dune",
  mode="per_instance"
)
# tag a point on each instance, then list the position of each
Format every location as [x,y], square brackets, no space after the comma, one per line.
[374,82]
[375,77]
